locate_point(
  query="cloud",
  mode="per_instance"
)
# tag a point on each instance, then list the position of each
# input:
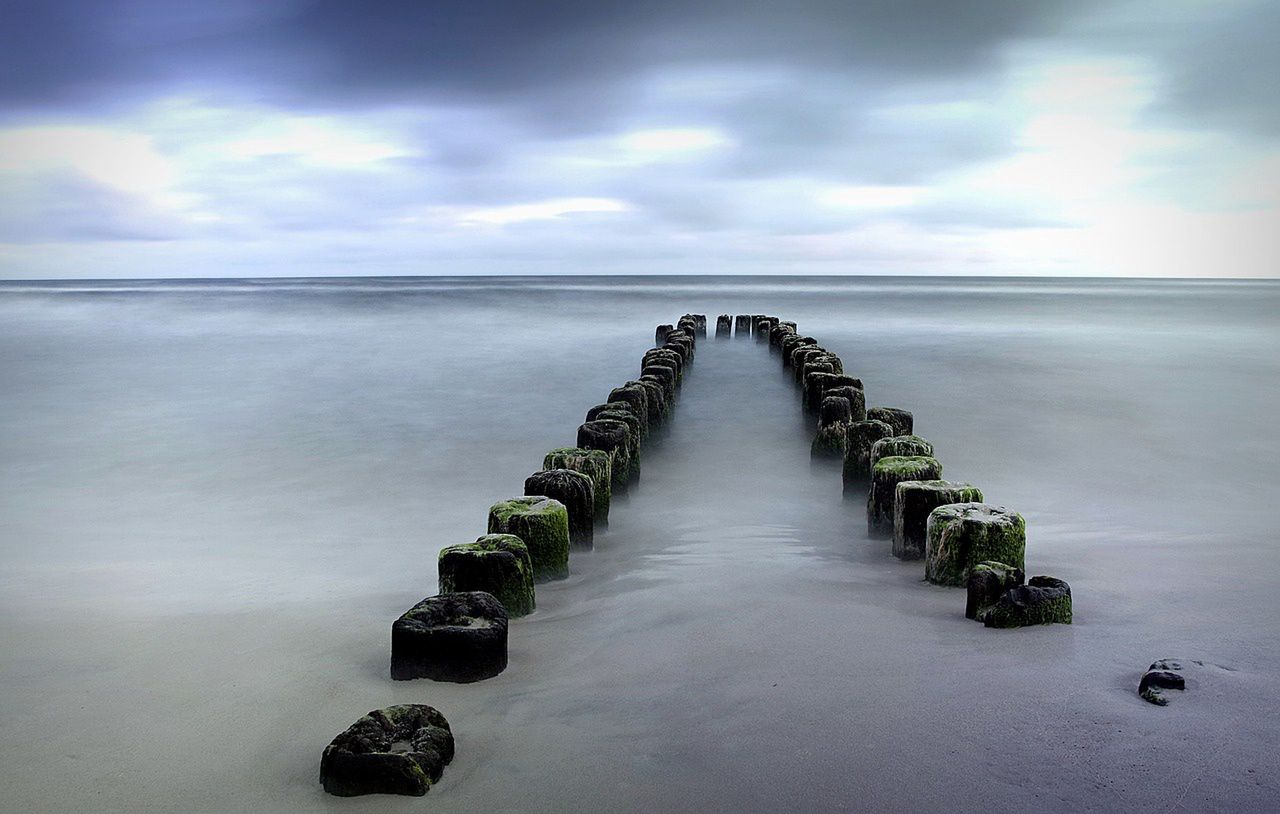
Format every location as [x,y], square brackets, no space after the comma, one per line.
[285,136]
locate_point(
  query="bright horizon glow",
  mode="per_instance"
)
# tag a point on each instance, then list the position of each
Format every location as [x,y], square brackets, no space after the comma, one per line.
[541,210]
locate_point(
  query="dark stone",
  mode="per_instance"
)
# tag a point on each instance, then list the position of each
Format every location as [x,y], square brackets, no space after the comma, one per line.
[495,563]
[593,463]
[1042,601]
[834,410]
[901,420]
[853,395]
[660,335]
[1164,674]
[987,583]
[885,477]
[914,501]
[742,325]
[542,524]
[859,437]
[460,637]
[724,326]
[396,750]
[576,492]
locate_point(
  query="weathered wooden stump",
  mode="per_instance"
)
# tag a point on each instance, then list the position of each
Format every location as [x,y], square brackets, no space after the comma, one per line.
[660,335]
[614,437]
[397,750]
[460,638]
[595,464]
[987,582]
[913,503]
[898,445]
[638,398]
[742,326]
[495,563]
[576,492]
[622,412]
[665,376]
[856,399]
[1042,601]
[961,535]
[724,326]
[901,420]
[542,524]
[859,438]
[790,342]
[885,477]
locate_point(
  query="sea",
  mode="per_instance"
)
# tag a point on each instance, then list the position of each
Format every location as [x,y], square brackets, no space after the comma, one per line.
[217,495]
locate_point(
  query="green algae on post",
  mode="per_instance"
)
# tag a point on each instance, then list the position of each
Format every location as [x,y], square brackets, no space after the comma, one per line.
[912,504]
[961,535]
[495,563]
[885,477]
[899,445]
[576,492]
[987,583]
[542,523]
[595,464]
[1042,601]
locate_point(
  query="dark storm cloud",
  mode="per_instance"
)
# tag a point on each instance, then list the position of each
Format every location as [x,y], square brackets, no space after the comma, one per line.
[57,51]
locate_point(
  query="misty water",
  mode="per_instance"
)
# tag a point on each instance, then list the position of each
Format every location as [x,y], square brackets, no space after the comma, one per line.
[215,497]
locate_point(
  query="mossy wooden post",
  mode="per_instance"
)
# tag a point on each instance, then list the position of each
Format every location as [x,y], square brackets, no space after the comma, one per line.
[576,492]
[368,758]
[666,358]
[854,395]
[776,335]
[801,356]
[660,335]
[859,437]
[614,437]
[1042,601]
[665,376]
[742,326]
[654,400]
[816,374]
[724,326]
[987,583]
[636,431]
[790,342]
[885,477]
[958,536]
[701,320]
[901,420]
[542,523]
[763,328]
[637,398]
[495,563]
[897,445]
[595,464]
[912,504]
[458,637]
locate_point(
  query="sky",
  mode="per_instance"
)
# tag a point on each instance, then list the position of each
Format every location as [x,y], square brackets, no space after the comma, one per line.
[254,138]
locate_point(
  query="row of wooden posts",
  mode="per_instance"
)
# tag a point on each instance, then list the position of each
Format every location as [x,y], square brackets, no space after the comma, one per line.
[460,634]
[962,540]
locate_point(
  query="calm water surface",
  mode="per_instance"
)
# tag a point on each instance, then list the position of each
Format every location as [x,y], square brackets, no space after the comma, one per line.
[216,496]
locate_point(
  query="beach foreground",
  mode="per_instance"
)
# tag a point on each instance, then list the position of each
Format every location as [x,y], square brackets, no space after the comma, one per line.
[217,497]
